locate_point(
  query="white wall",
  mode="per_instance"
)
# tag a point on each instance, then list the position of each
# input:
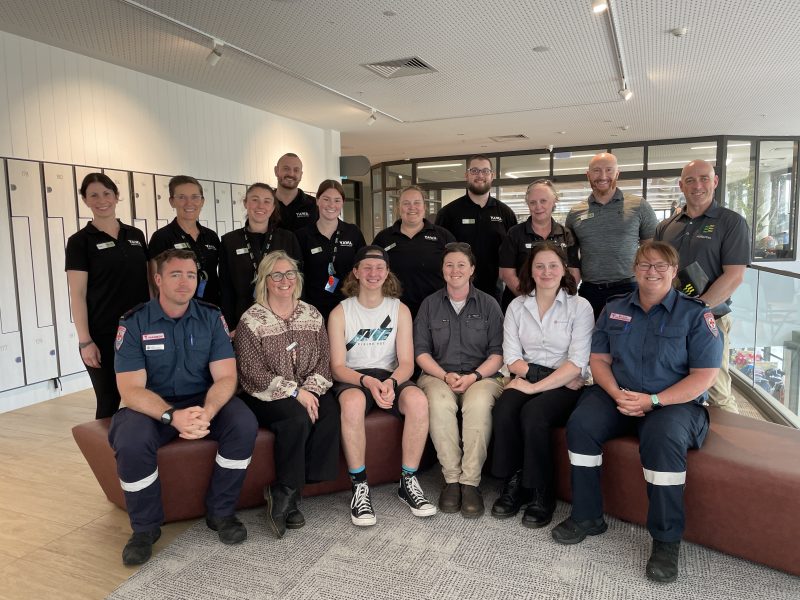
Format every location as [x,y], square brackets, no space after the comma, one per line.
[58,106]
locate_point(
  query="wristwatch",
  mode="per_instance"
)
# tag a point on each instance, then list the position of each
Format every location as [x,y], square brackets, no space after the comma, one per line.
[477,374]
[655,401]
[166,418]
[295,392]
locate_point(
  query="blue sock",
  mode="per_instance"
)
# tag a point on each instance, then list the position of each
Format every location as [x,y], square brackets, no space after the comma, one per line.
[409,470]
[358,474]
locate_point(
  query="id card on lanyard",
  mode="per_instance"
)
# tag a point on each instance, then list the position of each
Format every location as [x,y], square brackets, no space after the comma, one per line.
[264,250]
[202,274]
[333,281]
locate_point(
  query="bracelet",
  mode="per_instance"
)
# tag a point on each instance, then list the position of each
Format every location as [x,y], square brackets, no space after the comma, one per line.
[477,375]
[361,381]
[82,345]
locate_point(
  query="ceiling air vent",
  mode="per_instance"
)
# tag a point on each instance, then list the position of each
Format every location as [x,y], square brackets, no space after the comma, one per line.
[508,138]
[402,67]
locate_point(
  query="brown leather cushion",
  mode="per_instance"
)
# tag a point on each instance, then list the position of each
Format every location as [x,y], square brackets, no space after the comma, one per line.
[742,488]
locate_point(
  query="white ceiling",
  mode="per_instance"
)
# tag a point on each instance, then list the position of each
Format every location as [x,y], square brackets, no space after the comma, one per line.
[736,71]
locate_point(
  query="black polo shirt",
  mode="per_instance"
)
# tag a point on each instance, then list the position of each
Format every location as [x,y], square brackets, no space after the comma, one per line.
[716,238]
[318,252]
[237,269]
[417,261]
[301,212]
[483,228]
[117,271]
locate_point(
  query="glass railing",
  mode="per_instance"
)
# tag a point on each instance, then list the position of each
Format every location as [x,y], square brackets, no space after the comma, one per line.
[765,339]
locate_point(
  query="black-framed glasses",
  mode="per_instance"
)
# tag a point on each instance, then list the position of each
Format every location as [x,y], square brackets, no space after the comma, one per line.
[291,275]
[477,171]
[660,267]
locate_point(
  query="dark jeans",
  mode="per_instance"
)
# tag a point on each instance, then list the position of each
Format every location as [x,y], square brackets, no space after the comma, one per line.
[104,379]
[598,293]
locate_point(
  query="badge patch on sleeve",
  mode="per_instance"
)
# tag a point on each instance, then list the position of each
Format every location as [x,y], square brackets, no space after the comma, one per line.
[225,325]
[711,324]
[120,336]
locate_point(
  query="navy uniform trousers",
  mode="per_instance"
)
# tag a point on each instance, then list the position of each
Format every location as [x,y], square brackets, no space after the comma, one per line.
[136,438]
[665,436]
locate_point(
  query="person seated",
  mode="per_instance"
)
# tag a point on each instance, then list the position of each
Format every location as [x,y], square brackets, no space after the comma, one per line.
[547,333]
[176,373]
[458,342]
[655,352]
[284,369]
[372,359]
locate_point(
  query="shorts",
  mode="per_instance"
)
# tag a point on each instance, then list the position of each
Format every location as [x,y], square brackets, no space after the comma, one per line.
[381,374]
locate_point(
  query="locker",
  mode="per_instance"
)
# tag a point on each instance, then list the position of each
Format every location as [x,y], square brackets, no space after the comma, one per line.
[62,222]
[237,199]
[208,216]
[84,214]
[222,199]
[144,204]
[12,369]
[123,181]
[164,212]
[33,279]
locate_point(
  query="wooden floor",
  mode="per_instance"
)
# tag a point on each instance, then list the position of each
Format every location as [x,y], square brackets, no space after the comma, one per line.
[59,536]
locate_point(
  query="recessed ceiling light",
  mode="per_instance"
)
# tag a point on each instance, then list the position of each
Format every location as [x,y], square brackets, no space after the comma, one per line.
[541,48]
[599,6]
[563,132]
[389,13]
[679,32]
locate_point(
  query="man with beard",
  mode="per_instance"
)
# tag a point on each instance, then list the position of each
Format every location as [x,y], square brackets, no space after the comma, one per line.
[482,221]
[297,209]
[608,227]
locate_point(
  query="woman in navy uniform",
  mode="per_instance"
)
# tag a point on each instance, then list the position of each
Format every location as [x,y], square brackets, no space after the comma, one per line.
[243,249]
[186,233]
[329,248]
[655,352]
[106,264]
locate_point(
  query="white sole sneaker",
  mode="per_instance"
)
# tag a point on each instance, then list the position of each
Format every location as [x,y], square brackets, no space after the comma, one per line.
[364,520]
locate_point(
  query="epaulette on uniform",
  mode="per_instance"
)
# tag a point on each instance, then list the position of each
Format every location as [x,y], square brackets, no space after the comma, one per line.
[208,304]
[135,309]
[692,298]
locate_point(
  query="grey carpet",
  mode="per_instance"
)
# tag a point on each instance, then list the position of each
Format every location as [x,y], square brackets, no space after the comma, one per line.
[445,556]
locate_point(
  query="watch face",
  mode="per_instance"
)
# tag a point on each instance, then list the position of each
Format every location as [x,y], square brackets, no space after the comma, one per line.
[166,418]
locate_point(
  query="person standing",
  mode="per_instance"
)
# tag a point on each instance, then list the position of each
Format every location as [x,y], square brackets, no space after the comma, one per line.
[608,228]
[296,208]
[482,221]
[715,241]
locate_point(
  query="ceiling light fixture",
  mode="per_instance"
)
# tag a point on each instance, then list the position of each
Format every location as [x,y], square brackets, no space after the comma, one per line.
[624,91]
[626,94]
[216,53]
[372,118]
[599,6]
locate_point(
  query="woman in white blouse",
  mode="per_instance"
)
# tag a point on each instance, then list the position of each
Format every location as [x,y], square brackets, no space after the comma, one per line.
[546,343]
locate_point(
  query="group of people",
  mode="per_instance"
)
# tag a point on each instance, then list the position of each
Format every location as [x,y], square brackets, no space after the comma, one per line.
[295,324]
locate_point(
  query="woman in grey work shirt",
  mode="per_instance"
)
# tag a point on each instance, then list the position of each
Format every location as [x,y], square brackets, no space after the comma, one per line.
[547,338]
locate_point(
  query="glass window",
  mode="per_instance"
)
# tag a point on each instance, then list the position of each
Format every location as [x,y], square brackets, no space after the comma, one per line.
[526,165]
[377,213]
[740,173]
[391,207]
[566,163]
[377,179]
[675,156]
[629,159]
[443,170]
[514,196]
[572,193]
[664,195]
[774,206]
[398,176]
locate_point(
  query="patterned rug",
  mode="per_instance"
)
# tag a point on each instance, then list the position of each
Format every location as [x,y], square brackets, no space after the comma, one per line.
[445,556]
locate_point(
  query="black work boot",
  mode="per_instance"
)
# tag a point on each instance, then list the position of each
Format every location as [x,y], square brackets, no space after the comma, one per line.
[295,519]
[279,499]
[512,498]
[540,511]
[663,564]
[139,548]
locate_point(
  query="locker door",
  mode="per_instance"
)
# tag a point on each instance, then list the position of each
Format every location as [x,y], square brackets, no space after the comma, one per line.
[237,200]
[84,214]
[222,198]
[12,369]
[144,204]
[208,216]
[62,222]
[123,181]
[164,212]
[30,255]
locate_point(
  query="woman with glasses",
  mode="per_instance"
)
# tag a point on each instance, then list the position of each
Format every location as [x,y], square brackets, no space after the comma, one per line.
[654,354]
[186,232]
[243,249]
[415,247]
[283,362]
[106,264]
[458,343]
[328,249]
[547,334]
[541,197]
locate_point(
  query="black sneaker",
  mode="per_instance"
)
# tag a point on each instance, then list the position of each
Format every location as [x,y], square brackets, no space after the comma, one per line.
[139,548]
[411,493]
[663,564]
[574,532]
[361,512]
[229,529]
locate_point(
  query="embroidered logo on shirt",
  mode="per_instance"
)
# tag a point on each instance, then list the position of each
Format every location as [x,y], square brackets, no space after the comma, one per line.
[711,324]
[709,228]
[135,243]
[432,238]
[619,317]
[211,247]
[301,214]
[147,337]
[346,243]
[496,218]
[377,334]
[120,336]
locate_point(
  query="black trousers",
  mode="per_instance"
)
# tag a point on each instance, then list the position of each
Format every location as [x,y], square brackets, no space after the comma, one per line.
[104,379]
[598,294]
[304,451]
[522,426]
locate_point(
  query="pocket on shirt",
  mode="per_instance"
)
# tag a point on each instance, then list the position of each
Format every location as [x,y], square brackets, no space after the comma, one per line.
[672,348]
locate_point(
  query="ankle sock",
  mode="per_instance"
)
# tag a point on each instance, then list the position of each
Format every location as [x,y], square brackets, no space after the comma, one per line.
[408,471]
[358,475]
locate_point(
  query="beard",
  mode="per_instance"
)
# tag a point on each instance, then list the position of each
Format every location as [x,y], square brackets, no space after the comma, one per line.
[289,183]
[612,185]
[479,189]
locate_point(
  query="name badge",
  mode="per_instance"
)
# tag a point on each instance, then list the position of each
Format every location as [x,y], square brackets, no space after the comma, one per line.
[389,247]
[181,246]
[316,250]
[148,337]
[154,347]
[291,346]
[468,221]
[528,245]
[241,251]
[586,216]
[104,245]
[619,317]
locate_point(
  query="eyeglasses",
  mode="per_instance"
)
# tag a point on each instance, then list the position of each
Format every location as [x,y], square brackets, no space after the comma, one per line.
[477,171]
[278,276]
[660,267]
[183,198]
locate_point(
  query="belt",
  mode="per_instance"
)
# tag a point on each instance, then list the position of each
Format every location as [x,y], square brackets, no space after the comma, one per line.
[610,284]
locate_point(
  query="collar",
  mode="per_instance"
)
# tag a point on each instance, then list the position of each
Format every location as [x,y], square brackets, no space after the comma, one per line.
[179,230]
[555,229]
[426,226]
[94,230]
[618,195]
[492,201]
[470,295]
[561,298]
[301,198]
[668,301]
[713,211]
[157,313]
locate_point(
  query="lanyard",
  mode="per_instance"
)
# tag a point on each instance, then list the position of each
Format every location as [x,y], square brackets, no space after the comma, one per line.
[331,265]
[263,250]
[198,249]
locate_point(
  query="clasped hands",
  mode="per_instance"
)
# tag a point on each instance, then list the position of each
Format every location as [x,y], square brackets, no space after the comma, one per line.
[192,422]
[382,391]
[459,383]
[633,404]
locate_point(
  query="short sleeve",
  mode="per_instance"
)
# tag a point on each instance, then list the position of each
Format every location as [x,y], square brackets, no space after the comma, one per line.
[736,243]
[648,221]
[495,341]
[506,254]
[129,355]
[221,346]
[600,341]
[705,342]
[76,256]
[423,341]
[158,243]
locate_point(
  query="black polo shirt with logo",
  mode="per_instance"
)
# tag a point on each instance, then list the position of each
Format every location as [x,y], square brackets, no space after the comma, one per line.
[301,212]
[417,260]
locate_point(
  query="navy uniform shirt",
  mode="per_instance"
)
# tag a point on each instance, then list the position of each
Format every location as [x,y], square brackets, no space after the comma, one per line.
[117,273]
[205,248]
[237,268]
[716,238]
[175,353]
[318,253]
[301,212]
[459,343]
[417,261]
[651,351]
[484,229]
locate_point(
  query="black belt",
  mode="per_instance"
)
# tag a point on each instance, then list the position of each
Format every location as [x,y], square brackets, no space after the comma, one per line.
[537,372]
[610,284]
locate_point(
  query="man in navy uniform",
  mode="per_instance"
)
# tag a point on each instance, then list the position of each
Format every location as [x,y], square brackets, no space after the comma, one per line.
[176,374]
